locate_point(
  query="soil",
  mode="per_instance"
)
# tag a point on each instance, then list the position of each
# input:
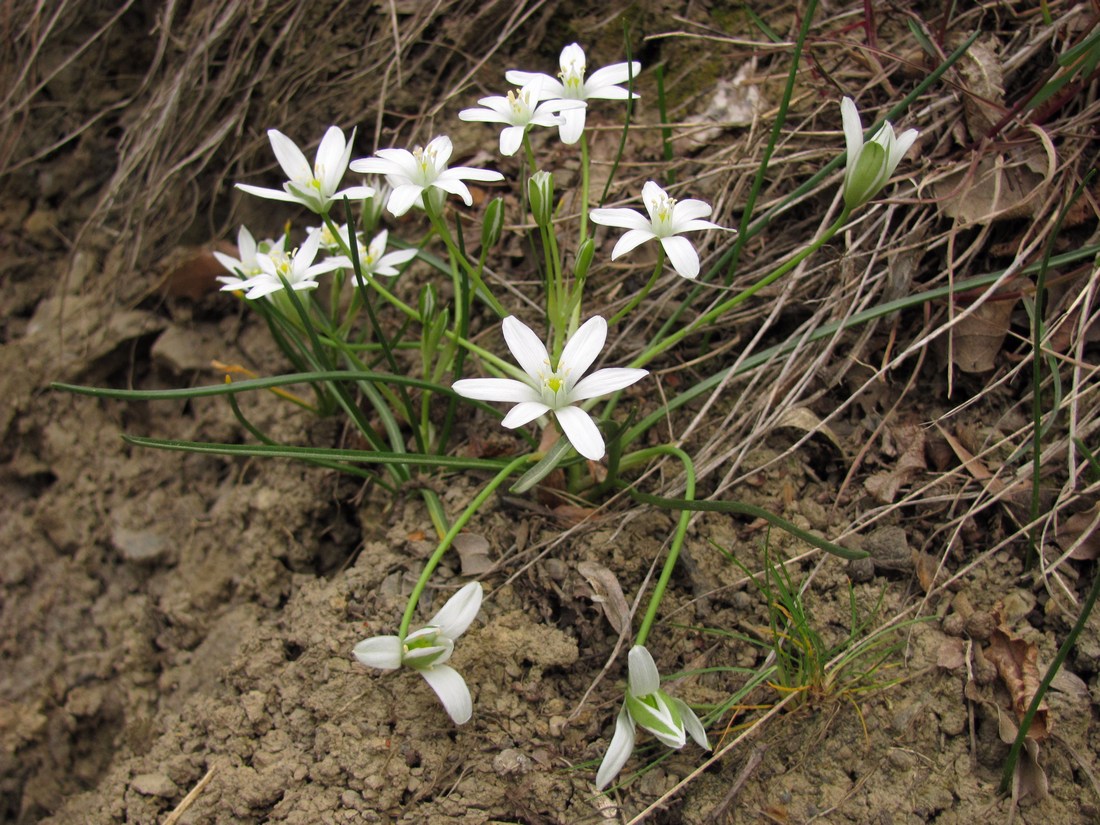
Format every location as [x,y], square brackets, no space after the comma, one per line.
[176,629]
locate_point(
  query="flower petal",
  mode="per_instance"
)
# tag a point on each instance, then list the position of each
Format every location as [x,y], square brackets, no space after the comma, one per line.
[572,125]
[451,689]
[900,147]
[689,209]
[440,149]
[611,75]
[510,140]
[330,164]
[529,352]
[290,157]
[682,256]
[604,381]
[853,129]
[507,390]
[270,194]
[470,173]
[631,239]
[618,752]
[582,349]
[620,217]
[524,413]
[582,432]
[451,184]
[692,724]
[461,609]
[643,676]
[403,197]
[383,652]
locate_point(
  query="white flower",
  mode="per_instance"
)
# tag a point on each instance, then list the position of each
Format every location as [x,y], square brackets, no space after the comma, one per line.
[667,219]
[247,266]
[871,164]
[571,85]
[427,649]
[649,707]
[412,173]
[556,389]
[519,110]
[373,259]
[313,187]
[297,268]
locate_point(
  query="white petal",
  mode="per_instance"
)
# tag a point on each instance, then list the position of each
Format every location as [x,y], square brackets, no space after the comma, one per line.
[396,258]
[618,752]
[461,609]
[451,689]
[630,240]
[853,129]
[507,390]
[246,244]
[643,676]
[682,255]
[373,166]
[355,193]
[901,146]
[403,197]
[383,652]
[652,192]
[330,159]
[440,149]
[525,346]
[692,724]
[582,432]
[270,194]
[290,157]
[510,140]
[230,263]
[620,217]
[613,75]
[583,348]
[449,183]
[604,381]
[689,210]
[469,173]
[482,115]
[524,413]
[573,53]
[572,125]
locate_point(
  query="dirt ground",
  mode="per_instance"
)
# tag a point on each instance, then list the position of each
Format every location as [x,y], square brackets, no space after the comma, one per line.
[176,629]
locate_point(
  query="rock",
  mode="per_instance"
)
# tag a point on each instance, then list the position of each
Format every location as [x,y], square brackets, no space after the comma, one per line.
[140,546]
[511,761]
[155,784]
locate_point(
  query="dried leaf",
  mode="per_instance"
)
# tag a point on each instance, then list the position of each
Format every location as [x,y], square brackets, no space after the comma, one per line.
[978,337]
[1081,531]
[1017,664]
[192,273]
[926,566]
[983,74]
[999,188]
[806,420]
[906,441]
[951,654]
[607,593]
[473,552]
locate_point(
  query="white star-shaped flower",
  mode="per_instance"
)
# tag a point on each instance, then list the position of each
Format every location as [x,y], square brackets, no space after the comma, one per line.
[649,707]
[668,218]
[373,259]
[518,111]
[571,84]
[312,186]
[411,174]
[247,266]
[426,650]
[870,164]
[554,388]
[297,268]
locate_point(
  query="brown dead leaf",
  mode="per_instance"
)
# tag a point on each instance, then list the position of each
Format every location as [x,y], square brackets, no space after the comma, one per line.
[1029,778]
[1000,187]
[926,566]
[906,441]
[805,420]
[983,76]
[571,515]
[951,654]
[978,337]
[1017,664]
[473,552]
[607,593]
[193,272]
[1082,532]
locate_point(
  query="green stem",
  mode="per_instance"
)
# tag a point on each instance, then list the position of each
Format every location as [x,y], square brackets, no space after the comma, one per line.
[677,539]
[449,537]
